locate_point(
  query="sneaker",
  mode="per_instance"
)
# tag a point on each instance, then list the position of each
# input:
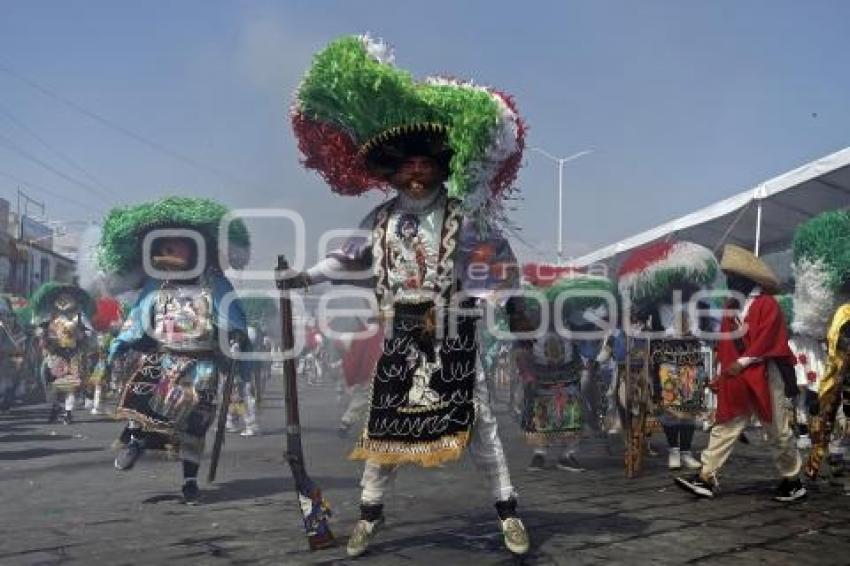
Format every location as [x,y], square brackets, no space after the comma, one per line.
[674,459]
[537,464]
[790,489]
[126,459]
[698,486]
[67,418]
[97,411]
[250,431]
[191,492]
[231,427]
[516,537]
[364,532]
[689,462]
[569,463]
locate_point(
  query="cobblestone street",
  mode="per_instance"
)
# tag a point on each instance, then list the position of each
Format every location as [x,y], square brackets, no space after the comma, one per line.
[63,502]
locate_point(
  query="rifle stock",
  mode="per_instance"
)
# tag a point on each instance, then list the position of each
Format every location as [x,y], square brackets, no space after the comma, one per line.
[315,510]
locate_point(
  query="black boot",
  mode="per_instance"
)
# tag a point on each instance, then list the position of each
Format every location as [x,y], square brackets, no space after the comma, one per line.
[191,492]
[371,512]
[506,508]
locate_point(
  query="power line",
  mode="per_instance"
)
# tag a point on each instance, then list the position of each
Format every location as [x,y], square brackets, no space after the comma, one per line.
[54,194]
[20,124]
[30,157]
[119,128]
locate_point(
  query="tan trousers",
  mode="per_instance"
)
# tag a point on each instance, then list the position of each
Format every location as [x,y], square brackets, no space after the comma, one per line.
[724,436]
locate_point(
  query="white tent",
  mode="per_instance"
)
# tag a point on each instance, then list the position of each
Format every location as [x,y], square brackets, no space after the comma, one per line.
[762,219]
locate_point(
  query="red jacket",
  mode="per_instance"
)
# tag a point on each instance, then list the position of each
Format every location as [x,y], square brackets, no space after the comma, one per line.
[766,337]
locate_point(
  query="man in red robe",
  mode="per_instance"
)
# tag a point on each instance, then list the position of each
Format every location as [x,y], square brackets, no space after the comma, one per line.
[750,355]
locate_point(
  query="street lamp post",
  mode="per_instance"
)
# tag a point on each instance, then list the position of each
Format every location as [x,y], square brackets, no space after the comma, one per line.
[560,161]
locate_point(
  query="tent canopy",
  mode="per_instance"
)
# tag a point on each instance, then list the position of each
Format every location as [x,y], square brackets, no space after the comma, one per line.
[762,219]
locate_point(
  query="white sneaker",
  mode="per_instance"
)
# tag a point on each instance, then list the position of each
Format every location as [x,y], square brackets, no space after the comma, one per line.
[250,431]
[364,532]
[690,462]
[804,442]
[96,411]
[674,459]
[569,463]
[516,537]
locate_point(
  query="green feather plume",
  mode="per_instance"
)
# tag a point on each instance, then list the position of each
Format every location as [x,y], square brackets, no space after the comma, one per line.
[826,239]
[123,229]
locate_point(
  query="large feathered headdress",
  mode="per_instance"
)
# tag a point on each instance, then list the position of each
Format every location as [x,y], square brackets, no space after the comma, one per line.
[821,268]
[355,112]
[43,299]
[120,248]
[575,293]
[652,273]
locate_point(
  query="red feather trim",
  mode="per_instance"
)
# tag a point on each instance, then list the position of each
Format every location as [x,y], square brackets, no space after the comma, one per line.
[642,258]
[502,181]
[333,154]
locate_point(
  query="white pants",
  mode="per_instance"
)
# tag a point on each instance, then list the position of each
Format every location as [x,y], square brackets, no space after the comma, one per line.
[485,449]
[724,436]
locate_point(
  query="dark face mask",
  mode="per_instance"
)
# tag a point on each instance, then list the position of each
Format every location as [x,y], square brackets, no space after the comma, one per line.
[739,284]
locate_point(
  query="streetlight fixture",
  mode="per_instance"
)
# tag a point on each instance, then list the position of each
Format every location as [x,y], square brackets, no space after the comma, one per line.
[560,161]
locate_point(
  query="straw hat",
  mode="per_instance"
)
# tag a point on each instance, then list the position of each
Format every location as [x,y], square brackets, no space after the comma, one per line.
[742,262]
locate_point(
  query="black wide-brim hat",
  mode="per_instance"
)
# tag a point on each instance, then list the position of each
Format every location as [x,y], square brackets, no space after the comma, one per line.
[385,153]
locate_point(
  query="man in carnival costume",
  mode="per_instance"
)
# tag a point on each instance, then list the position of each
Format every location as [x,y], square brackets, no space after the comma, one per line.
[821,313]
[753,361]
[659,282]
[177,322]
[450,150]
[558,370]
[61,312]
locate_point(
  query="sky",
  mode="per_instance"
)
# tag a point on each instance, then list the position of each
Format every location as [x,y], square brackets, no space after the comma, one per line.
[107,103]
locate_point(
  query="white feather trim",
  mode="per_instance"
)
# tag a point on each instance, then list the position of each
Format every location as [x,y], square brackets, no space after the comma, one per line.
[695,259]
[504,143]
[378,49]
[814,301]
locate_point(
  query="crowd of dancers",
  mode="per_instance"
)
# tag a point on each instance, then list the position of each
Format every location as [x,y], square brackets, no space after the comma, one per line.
[675,340]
